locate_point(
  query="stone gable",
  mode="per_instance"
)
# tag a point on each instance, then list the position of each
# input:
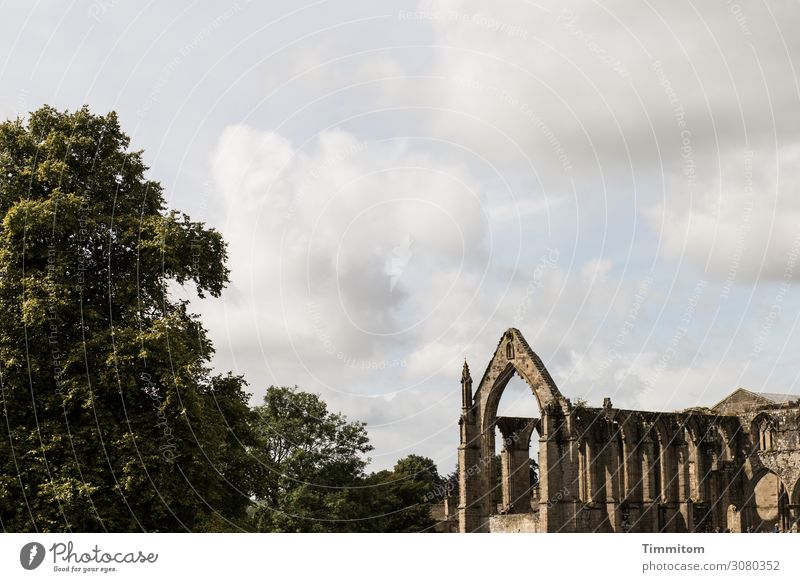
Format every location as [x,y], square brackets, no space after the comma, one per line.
[732,467]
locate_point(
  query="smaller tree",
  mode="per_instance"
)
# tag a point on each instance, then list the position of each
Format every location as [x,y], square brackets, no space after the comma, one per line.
[402,498]
[311,465]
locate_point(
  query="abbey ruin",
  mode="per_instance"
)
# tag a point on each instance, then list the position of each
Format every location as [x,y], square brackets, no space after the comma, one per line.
[734,466]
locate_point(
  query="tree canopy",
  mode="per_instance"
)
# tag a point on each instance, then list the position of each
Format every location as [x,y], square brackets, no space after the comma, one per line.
[313,473]
[113,419]
[311,463]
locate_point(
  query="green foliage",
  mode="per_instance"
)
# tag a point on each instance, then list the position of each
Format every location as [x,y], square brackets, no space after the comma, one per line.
[114,422]
[401,499]
[311,465]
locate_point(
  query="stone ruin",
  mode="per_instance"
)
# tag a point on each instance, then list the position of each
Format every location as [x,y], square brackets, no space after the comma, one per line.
[732,467]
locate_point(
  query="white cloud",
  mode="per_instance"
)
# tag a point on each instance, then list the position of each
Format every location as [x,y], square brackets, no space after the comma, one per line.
[596,269]
[343,249]
[629,103]
[723,73]
[741,223]
[367,272]
[367,266]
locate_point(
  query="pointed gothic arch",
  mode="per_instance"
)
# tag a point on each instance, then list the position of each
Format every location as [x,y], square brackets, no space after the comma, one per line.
[512,356]
[609,469]
[767,502]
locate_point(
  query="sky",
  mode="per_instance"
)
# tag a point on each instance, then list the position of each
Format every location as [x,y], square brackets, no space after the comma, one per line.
[400,182]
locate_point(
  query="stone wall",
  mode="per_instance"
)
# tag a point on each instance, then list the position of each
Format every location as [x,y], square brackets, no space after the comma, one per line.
[604,469]
[514,523]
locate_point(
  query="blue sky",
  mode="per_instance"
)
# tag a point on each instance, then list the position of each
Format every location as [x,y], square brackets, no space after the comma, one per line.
[401,182]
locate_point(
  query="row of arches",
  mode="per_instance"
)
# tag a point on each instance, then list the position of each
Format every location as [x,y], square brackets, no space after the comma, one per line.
[764,429]
[605,469]
[635,462]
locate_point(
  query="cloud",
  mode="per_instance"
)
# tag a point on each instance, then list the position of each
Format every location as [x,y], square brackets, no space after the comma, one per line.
[361,270]
[366,266]
[342,249]
[608,79]
[367,271]
[741,223]
[634,105]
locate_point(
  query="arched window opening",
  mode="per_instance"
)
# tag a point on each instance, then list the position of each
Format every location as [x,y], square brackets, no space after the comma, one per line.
[516,450]
[766,435]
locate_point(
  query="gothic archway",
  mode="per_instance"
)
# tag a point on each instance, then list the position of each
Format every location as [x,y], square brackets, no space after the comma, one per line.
[768,503]
[480,420]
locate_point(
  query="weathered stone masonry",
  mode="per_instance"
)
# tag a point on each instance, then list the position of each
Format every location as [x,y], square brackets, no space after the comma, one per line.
[733,466]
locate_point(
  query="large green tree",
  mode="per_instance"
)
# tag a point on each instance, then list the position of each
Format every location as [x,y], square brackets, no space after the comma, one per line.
[111,419]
